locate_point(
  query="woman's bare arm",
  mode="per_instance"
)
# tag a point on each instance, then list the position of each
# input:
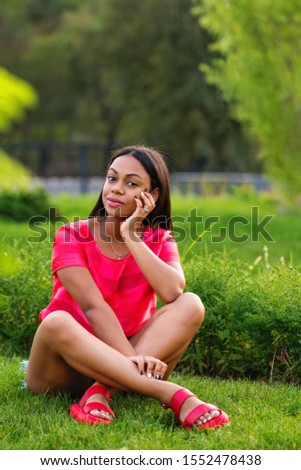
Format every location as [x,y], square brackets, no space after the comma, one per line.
[81,286]
[167,279]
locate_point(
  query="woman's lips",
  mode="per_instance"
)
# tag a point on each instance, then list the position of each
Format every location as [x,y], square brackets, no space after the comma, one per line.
[114,202]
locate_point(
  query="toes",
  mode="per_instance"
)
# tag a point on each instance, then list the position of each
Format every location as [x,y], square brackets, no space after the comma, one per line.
[207,417]
[214,414]
[97,413]
[101,414]
[204,418]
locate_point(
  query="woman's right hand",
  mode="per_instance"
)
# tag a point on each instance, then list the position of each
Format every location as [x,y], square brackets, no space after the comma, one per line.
[149,365]
[144,205]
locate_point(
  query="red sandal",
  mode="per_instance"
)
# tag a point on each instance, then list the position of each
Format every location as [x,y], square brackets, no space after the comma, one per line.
[81,411]
[177,401]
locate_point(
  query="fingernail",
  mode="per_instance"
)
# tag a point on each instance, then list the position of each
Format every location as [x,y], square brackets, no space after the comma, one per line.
[142,193]
[149,375]
[157,377]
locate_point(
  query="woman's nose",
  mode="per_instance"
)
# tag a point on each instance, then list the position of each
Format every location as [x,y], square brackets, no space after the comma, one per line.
[117,187]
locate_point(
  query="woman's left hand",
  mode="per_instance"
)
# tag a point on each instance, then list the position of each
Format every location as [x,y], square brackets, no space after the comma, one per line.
[144,205]
[149,365]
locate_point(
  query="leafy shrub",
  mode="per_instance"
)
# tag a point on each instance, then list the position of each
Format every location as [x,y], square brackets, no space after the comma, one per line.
[252,325]
[22,204]
[25,288]
[17,200]
[13,174]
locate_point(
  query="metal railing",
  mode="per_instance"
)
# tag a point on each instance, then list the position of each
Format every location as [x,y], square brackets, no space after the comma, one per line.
[71,167]
[183,183]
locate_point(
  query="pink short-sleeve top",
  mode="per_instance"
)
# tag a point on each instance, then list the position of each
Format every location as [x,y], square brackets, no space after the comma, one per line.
[120,281]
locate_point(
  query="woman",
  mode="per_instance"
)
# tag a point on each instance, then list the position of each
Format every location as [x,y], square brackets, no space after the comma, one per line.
[101,331]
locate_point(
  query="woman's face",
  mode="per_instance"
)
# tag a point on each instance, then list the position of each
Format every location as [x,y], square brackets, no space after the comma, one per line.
[125,179]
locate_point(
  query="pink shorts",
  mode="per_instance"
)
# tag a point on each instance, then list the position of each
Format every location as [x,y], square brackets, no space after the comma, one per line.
[59,305]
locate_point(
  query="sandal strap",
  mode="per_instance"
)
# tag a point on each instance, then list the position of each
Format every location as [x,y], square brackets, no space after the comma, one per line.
[95,405]
[178,399]
[96,388]
[197,412]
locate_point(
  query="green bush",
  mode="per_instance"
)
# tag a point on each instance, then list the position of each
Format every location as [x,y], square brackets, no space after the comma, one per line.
[22,204]
[13,174]
[25,289]
[252,325]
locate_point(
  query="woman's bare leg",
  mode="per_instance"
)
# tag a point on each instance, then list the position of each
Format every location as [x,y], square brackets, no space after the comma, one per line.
[60,361]
[63,352]
[170,331]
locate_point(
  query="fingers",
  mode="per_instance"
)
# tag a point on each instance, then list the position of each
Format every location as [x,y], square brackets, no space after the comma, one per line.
[148,200]
[154,368]
[150,366]
[138,202]
[145,204]
[139,360]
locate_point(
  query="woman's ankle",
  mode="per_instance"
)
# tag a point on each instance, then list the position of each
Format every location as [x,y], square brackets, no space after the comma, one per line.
[168,391]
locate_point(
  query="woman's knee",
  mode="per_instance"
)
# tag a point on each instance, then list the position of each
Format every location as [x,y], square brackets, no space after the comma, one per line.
[55,325]
[194,308]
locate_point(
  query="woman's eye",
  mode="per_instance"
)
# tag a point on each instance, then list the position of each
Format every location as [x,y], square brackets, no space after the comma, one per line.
[113,178]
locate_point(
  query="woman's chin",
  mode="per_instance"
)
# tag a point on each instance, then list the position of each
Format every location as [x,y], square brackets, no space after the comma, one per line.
[115,212]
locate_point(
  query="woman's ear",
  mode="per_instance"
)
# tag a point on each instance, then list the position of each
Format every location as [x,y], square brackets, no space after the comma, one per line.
[155,193]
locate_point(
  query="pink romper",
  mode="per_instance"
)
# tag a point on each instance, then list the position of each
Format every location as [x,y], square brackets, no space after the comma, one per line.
[120,282]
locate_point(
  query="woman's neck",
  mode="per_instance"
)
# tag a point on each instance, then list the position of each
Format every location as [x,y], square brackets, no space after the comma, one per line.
[110,228]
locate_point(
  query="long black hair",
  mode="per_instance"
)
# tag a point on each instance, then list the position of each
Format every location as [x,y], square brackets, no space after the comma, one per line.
[155,165]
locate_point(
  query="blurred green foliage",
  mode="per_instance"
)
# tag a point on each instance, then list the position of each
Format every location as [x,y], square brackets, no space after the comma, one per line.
[21,205]
[120,72]
[258,68]
[16,96]
[13,175]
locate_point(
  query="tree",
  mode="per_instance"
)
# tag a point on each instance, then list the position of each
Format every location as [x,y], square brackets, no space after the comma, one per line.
[120,72]
[16,96]
[257,66]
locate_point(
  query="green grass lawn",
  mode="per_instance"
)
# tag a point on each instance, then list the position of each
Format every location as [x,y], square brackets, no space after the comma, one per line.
[234,220]
[262,417]
[235,223]
[187,211]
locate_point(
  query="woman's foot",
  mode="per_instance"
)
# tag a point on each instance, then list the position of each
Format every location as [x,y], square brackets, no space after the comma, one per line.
[93,407]
[191,403]
[192,412]
[99,398]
